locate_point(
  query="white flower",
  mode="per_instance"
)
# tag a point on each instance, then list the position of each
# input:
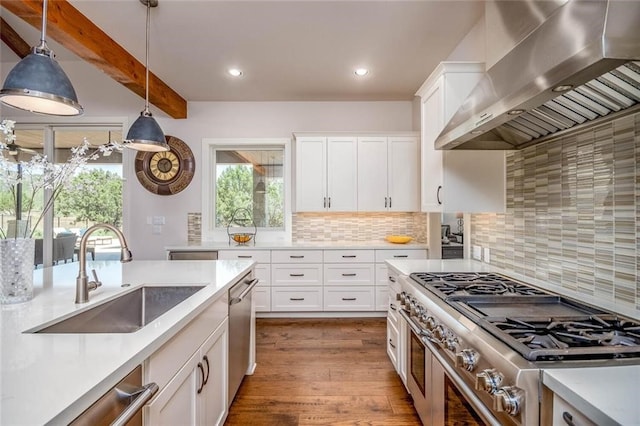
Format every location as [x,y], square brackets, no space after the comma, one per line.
[40,173]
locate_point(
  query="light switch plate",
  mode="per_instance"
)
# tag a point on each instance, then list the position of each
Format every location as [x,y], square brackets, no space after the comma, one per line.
[477,252]
[487,255]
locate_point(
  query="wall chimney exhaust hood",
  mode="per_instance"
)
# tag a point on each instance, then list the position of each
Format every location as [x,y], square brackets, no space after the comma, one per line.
[581,66]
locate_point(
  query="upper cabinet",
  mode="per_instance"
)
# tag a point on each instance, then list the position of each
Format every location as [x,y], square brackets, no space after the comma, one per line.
[388,173]
[357,172]
[456,181]
[326,173]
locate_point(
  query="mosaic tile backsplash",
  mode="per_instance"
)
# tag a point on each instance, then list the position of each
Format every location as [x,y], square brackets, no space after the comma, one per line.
[573,213]
[349,227]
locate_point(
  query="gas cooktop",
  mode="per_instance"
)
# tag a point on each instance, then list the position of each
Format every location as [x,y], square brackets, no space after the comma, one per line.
[539,325]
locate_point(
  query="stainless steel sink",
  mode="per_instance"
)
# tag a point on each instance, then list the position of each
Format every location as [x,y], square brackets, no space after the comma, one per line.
[125,314]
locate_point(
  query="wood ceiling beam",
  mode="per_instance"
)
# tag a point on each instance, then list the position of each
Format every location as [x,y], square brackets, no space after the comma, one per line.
[74,31]
[13,40]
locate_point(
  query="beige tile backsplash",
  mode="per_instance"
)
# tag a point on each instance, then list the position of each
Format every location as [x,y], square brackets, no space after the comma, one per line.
[573,213]
[348,227]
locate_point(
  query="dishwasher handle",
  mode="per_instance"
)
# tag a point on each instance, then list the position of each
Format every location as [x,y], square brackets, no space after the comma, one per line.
[251,284]
[141,395]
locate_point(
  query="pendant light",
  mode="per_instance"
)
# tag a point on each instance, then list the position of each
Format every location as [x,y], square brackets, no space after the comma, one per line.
[145,133]
[260,186]
[38,83]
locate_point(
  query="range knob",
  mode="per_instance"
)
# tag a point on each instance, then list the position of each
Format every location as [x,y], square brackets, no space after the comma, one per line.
[439,333]
[451,343]
[430,323]
[467,359]
[508,399]
[403,298]
[489,380]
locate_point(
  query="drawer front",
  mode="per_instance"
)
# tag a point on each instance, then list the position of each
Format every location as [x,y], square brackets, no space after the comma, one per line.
[349,256]
[382,298]
[295,275]
[357,274]
[349,299]
[392,344]
[392,311]
[296,299]
[296,256]
[560,407]
[263,273]
[260,256]
[262,298]
[382,255]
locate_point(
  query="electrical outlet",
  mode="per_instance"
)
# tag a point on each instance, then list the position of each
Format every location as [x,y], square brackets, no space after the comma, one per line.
[487,255]
[477,252]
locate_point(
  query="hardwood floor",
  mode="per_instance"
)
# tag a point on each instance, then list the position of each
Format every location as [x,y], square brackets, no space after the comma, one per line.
[322,372]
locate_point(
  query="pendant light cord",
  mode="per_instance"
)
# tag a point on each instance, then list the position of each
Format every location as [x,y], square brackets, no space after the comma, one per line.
[146,61]
[43,48]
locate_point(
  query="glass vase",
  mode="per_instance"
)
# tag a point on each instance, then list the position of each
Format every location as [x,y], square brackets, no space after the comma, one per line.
[16,269]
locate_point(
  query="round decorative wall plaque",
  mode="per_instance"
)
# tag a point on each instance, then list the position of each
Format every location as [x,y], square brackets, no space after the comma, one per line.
[166,172]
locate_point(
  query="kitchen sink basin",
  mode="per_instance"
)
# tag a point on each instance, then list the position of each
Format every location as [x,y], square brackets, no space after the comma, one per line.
[125,314]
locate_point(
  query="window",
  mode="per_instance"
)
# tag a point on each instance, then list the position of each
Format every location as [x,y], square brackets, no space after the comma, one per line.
[245,175]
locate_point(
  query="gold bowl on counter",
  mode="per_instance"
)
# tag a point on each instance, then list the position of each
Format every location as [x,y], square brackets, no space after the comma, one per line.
[398,239]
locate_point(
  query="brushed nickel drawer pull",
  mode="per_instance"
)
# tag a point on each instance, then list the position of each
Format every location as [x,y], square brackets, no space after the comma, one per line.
[244,256]
[296,257]
[349,256]
[348,299]
[349,275]
[296,275]
[296,298]
[391,344]
[392,279]
[400,255]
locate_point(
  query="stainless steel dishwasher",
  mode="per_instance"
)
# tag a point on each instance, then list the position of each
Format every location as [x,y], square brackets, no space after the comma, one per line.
[239,331]
[193,255]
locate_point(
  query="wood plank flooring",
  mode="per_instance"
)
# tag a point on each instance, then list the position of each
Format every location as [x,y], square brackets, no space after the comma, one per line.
[322,372]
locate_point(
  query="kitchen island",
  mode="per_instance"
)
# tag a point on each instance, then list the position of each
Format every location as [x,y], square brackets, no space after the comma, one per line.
[52,378]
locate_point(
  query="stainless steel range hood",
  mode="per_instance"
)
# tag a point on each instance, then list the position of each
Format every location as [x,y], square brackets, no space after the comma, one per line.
[579,67]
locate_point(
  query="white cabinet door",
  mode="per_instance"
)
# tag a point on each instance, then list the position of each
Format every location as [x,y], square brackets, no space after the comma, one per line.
[403,169]
[214,398]
[342,183]
[432,122]
[372,174]
[177,402]
[311,177]
[458,180]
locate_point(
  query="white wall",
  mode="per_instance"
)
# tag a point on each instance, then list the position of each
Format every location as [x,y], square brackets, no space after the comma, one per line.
[241,120]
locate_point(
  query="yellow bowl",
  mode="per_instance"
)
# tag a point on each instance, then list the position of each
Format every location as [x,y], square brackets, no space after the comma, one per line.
[398,239]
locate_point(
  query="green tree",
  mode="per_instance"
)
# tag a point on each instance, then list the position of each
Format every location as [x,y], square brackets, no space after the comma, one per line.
[275,206]
[234,189]
[94,195]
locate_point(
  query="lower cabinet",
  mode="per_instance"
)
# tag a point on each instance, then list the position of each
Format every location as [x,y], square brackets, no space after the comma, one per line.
[197,394]
[302,298]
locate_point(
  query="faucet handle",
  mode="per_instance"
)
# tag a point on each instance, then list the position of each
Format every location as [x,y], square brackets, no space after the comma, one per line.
[92,285]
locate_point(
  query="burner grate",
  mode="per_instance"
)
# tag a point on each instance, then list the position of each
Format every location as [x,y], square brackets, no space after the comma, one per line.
[446,285]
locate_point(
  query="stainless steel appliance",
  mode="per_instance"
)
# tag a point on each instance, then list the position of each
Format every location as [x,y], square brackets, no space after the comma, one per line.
[240,317]
[478,343]
[120,406]
[193,255]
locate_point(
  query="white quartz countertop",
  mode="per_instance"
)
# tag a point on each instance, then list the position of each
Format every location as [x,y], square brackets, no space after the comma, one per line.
[606,395]
[52,378]
[259,245]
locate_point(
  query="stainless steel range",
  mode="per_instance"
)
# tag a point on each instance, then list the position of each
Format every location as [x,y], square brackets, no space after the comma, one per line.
[478,343]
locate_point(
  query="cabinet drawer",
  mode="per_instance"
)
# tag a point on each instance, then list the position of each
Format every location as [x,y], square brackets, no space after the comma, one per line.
[560,407]
[392,344]
[166,361]
[263,273]
[392,311]
[262,298]
[296,299]
[382,298]
[296,256]
[349,256]
[358,274]
[382,255]
[348,299]
[260,256]
[296,275]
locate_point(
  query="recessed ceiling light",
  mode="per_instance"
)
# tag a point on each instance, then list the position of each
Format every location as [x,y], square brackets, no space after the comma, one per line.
[235,72]
[361,72]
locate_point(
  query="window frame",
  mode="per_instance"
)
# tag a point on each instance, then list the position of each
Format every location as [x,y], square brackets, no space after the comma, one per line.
[209,147]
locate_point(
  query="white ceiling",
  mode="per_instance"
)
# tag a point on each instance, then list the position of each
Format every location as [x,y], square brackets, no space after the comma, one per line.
[288,50]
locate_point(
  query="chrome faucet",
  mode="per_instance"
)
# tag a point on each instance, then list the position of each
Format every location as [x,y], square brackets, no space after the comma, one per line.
[83,285]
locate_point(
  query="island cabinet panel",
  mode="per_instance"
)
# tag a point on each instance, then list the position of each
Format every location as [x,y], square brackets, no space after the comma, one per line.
[197,392]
